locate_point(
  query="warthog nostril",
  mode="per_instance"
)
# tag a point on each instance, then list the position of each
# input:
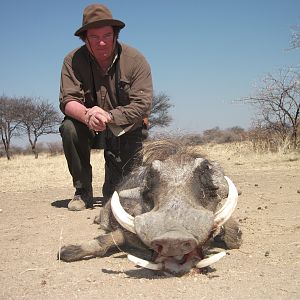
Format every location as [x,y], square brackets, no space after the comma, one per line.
[187,246]
[157,247]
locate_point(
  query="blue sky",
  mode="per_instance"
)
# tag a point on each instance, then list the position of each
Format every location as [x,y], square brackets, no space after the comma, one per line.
[203,54]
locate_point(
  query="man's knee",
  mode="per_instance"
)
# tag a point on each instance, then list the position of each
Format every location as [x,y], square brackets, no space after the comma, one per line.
[72,130]
[67,128]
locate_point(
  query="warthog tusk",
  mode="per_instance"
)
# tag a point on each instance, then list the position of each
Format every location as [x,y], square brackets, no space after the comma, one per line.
[125,219]
[152,266]
[134,193]
[210,260]
[225,212]
[144,263]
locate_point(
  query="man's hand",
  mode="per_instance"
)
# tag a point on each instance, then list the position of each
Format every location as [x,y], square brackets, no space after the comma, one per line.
[97,118]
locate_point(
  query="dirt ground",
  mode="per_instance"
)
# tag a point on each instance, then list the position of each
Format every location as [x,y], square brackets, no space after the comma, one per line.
[35,221]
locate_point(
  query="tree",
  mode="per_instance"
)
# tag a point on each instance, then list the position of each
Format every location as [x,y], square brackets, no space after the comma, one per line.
[38,118]
[160,116]
[295,41]
[10,114]
[277,101]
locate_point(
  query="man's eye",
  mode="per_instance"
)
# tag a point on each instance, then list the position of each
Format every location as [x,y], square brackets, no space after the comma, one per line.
[108,36]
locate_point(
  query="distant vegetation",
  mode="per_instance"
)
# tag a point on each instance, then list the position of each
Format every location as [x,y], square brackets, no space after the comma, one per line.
[23,116]
[256,139]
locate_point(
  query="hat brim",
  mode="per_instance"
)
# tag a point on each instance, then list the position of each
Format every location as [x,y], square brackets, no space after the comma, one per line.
[100,23]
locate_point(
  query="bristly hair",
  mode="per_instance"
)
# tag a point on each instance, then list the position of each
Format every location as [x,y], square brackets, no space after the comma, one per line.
[162,149]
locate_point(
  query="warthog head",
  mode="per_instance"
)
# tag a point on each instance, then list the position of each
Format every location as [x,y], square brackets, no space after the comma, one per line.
[187,199]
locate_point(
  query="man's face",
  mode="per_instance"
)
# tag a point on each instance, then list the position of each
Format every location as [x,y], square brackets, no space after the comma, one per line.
[101,42]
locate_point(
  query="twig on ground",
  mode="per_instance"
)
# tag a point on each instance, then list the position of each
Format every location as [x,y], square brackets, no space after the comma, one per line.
[244,252]
[60,243]
[117,244]
[35,269]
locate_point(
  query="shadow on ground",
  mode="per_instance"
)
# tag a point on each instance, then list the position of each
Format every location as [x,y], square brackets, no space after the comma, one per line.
[98,202]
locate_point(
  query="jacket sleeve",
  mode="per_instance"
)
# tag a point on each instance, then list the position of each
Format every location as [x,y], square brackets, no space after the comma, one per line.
[140,94]
[70,85]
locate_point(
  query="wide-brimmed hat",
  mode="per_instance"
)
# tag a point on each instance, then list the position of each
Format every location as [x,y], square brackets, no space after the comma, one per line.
[97,15]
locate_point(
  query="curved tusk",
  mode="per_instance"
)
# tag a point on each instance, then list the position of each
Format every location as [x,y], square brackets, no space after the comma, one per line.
[210,260]
[124,219]
[134,193]
[144,263]
[225,212]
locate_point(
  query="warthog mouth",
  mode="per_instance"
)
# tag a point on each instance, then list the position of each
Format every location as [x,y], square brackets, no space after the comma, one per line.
[184,263]
[178,265]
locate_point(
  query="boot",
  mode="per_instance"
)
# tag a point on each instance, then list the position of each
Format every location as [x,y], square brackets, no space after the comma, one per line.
[82,199]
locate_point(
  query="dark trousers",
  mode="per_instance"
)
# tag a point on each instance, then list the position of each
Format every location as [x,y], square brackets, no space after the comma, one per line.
[119,153]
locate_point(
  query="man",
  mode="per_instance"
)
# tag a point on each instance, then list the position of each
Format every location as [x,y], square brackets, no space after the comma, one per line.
[105,93]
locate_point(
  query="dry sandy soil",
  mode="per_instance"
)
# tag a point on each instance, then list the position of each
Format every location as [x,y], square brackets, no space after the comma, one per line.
[35,221]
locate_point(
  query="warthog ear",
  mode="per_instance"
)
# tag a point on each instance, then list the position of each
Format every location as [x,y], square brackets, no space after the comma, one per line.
[153,175]
[202,163]
[156,165]
[198,161]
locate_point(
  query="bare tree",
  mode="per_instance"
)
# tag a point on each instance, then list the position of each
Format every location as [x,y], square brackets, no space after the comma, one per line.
[277,101]
[38,118]
[160,116]
[9,121]
[295,41]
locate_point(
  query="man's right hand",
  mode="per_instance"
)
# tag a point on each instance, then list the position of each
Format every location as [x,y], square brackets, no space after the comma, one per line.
[97,118]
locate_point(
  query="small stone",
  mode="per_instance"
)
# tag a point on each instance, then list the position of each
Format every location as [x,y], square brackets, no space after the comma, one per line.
[43,282]
[267,253]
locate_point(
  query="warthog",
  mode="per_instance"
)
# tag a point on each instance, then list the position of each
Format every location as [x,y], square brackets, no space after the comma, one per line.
[168,211]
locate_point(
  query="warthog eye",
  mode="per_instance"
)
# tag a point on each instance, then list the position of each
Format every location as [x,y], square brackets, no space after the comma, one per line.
[204,172]
[205,168]
[208,167]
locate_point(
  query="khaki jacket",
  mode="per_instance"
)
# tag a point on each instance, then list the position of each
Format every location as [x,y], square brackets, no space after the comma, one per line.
[83,80]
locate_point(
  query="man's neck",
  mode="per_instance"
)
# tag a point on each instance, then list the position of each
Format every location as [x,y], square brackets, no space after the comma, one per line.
[107,64]
[104,65]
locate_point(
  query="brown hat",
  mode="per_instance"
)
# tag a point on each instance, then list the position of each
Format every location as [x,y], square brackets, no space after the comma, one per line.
[97,15]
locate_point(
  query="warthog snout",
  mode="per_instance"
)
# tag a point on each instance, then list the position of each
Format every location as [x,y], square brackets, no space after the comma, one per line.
[174,243]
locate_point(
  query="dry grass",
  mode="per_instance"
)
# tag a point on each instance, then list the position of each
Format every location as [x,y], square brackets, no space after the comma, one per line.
[242,153]
[24,173]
